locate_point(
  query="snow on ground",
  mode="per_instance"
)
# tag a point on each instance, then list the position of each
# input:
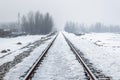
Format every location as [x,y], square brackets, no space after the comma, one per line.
[102,49]
[18,71]
[60,63]
[104,39]
[11,43]
[11,56]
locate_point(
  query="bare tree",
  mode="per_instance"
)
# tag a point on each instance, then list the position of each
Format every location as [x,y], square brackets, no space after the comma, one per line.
[37,23]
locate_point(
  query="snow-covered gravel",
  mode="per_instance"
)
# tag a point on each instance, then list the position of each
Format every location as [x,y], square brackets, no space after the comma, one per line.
[11,43]
[25,46]
[60,63]
[102,49]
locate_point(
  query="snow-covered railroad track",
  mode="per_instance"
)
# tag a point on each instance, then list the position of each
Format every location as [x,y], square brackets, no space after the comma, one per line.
[31,72]
[60,63]
[88,72]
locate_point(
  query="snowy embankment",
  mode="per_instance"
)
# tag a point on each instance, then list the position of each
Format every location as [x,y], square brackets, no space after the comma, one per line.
[9,62]
[19,71]
[13,44]
[102,49]
[60,63]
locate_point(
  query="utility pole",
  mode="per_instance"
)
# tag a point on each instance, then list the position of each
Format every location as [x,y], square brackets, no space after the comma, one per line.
[19,27]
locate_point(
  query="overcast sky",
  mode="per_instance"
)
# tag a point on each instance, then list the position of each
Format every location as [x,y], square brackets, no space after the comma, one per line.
[82,11]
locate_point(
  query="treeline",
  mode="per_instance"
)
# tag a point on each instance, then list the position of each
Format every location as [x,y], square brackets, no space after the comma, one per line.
[37,23]
[97,27]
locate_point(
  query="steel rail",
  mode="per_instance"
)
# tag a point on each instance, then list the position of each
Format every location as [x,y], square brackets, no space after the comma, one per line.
[31,72]
[79,58]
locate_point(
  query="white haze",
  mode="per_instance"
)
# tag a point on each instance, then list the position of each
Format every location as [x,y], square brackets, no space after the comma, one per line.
[83,11]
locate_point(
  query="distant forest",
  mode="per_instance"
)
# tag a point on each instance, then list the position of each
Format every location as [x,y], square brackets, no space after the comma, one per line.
[72,27]
[32,23]
[37,23]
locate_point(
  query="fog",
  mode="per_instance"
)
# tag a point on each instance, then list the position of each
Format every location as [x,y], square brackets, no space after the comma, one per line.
[83,11]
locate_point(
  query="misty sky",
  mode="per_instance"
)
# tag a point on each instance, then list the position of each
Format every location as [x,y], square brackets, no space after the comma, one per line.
[82,11]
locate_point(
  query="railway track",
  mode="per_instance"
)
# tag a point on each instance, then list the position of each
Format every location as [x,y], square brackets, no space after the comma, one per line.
[90,75]
[88,71]
[31,72]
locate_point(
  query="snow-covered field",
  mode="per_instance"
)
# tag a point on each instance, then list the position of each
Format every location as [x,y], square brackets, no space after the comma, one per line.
[102,49]
[11,43]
